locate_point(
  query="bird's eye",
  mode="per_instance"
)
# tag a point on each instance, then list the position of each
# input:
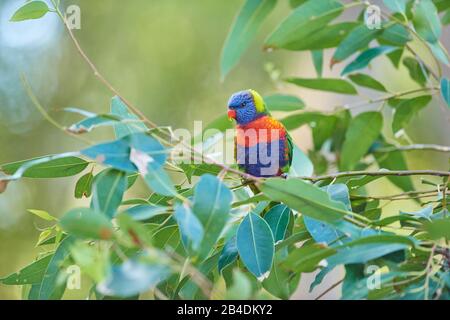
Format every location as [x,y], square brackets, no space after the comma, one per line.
[243,104]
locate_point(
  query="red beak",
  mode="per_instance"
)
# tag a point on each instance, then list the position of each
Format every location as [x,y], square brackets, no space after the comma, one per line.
[231,114]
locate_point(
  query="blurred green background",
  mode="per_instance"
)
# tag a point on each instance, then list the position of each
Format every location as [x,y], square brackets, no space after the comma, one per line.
[163,55]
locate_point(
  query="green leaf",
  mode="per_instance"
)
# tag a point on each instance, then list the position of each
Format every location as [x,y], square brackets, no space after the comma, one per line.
[87,223]
[369,248]
[357,39]
[367,81]
[365,58]
[441,5]
[322,232]
[438,229]
[281,283]
[297,120]
[190,227]
[424,213]
[46,167]
[304,20]
[145,211]
[324,38]
[406,110]
[31,274]
[308,257]
[213,211]
[90,123]
[121,130]
[229,254]
[304,198]
[49,287]
[301,165]
[339,192]
[200,169]
[355,283]
[241,289]
[396,57]
[130,153]
[133,277]
[426,21]
[83,187]
[416,72]
[296,3]
[395,35]
[445,90]
[256,246]
[243,31]
[283,102]
[133,232]
[31,10]
[43,236]
[333,234]
[440,52]
[317,56]
[255,199]
[323,127]
[108,190]
[190,289]
[322,84]
[91,259]
[395,160]
[278,219]
[446,18]
[363,130]
[396,5]
[42,214]
[115,154]
[383,238]
[159,181]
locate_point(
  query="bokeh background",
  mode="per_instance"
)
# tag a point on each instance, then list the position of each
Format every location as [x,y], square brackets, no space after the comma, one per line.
[163,55]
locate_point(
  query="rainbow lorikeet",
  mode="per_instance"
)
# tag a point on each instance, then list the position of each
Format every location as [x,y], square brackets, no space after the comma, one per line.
[263,147]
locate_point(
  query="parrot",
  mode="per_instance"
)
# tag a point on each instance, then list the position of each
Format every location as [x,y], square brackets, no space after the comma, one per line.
[262,145]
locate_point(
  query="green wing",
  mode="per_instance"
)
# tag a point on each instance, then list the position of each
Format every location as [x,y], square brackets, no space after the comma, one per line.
[290,146]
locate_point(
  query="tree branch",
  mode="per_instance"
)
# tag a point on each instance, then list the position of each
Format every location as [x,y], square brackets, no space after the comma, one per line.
[401,196]
[329,289]
[227,168]
[379,173]
[94,69]
[391,96]
[413,147]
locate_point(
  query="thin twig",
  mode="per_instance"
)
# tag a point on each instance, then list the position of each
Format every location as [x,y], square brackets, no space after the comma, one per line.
[395,196]
[94,69]
[135,109]
[391,96]
[44,113]
[329,289]
[428,269]
[379,174]
[406,25]
[414,147]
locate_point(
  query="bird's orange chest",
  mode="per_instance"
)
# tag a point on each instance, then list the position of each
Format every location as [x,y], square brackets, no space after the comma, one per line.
[262,130]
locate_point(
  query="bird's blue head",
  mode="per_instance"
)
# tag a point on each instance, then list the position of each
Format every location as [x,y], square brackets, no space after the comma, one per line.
[246,106]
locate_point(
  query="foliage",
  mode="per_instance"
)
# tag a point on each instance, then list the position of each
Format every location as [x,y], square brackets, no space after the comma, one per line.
[183,241]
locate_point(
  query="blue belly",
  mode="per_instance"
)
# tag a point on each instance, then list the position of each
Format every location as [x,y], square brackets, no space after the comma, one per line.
[263,159]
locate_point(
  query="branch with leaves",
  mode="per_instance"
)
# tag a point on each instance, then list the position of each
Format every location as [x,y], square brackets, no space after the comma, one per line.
[182,243]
